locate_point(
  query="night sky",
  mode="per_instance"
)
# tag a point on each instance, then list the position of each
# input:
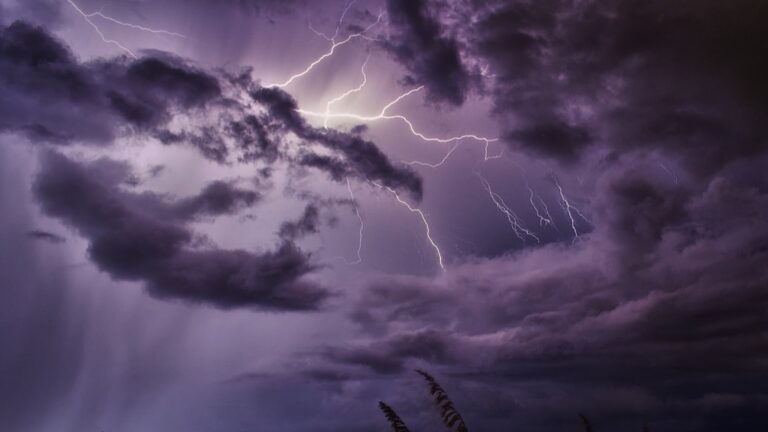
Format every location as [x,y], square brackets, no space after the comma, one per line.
[265,215]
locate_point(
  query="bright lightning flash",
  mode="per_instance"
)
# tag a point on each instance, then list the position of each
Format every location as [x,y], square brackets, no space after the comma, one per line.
[383,115]
[346,93]
[520,231]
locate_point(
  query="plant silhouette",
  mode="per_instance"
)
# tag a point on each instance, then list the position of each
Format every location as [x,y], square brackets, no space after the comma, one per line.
[451,417]
[448,413]
[398,425]
[586,423]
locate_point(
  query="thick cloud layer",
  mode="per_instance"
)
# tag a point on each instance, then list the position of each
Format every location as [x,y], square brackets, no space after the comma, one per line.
[684,78]
[144,237]
[45,236]
[664,303]
[653,111]
[359,158]
[51,97]
[431,58]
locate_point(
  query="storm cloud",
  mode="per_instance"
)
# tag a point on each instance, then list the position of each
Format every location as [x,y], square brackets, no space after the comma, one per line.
[51,97]
[431,58]
[666,295]
[571,77]
[143,237]
[360,158]
[634,153]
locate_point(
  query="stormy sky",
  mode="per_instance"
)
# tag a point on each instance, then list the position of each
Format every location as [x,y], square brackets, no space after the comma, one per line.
[257,215]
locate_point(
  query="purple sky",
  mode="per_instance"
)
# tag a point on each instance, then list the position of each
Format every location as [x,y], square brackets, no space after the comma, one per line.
[251,215]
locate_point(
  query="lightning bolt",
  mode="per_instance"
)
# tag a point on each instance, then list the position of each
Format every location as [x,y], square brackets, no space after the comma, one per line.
[338,24]
[424,221]
[670,172]
[437,164]
[383,115]
[88,17]
[334,45]
[517,226]
[346,93]
[570,210]
[327,115]
[484,71]
[512,218]
[544,217]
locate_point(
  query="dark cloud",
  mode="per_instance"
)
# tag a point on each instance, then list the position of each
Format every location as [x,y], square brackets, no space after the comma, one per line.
[657,313]
[554,139]
[254,139]
[359,157]
[150,87]
[262,6]
[637,212]
[431,58]
[335,167]
[308,223]
[132,237]
[44,12]
[45,236]
[567,77]
[388,356]
[216,198]
[49,96]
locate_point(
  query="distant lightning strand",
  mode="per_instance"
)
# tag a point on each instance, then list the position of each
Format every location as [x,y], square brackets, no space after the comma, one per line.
[544,217]
[670,172]
[549,216]
[362,226]
[569,210]
[88,18]
[542,213]
[567,207]
[512,218]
